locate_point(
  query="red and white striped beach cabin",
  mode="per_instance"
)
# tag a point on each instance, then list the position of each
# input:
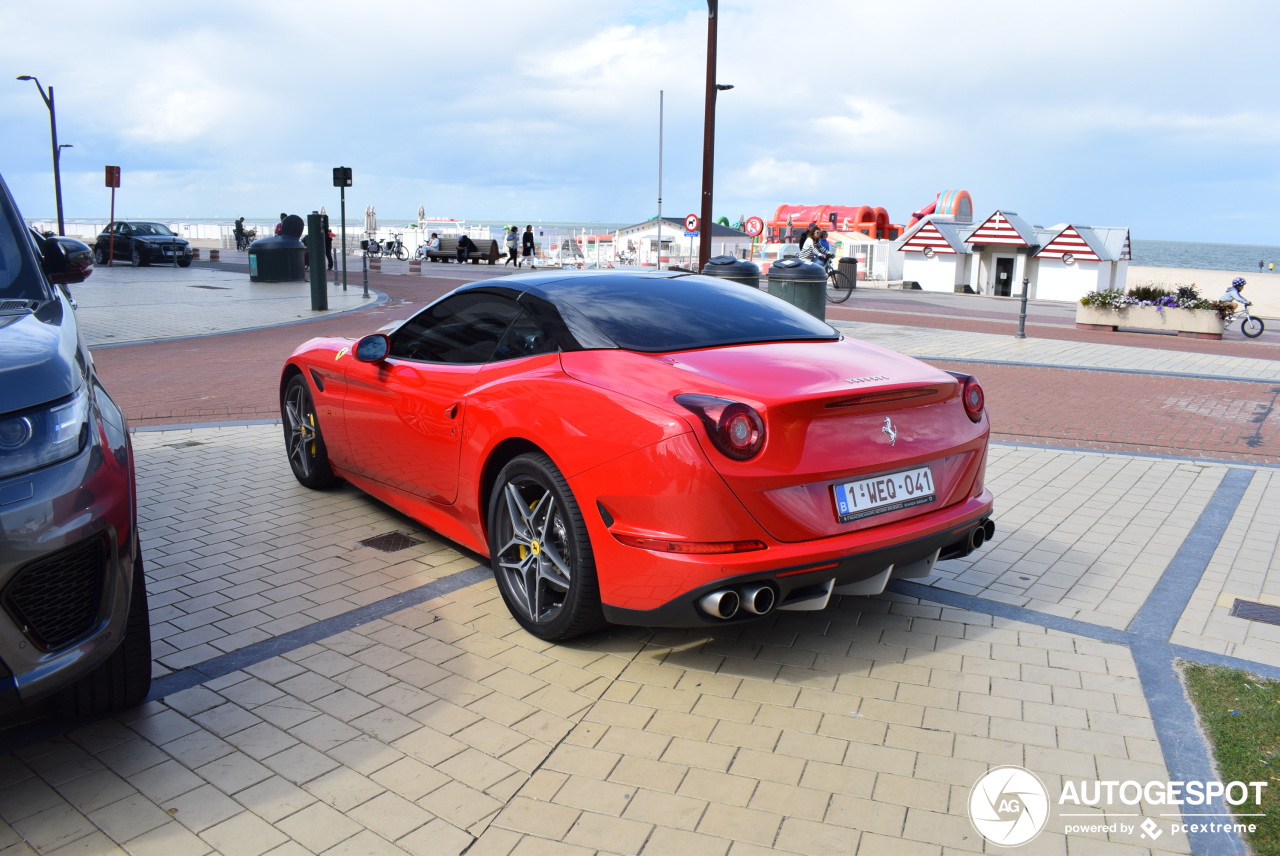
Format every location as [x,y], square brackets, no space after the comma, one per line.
[1062,262]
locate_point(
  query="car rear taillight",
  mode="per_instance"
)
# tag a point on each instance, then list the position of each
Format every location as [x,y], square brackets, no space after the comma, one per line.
[971,395]
[696,548]
[736,429]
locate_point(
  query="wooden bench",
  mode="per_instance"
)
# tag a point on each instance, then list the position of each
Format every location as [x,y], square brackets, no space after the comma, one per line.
[486,249]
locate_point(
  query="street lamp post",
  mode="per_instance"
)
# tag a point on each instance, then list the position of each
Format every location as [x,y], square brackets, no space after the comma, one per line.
[53,133]
[709,136]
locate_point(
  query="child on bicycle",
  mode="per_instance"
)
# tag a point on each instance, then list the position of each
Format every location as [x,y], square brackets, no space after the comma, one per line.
[1233,295]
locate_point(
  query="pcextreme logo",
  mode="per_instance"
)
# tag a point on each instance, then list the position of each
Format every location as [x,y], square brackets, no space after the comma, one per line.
[1009,806]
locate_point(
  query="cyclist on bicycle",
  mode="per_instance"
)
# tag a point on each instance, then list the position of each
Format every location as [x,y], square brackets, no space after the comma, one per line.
[813,250]
[1233,295]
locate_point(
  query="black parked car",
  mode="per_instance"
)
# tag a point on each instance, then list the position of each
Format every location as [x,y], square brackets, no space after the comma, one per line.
[142,243]
[73,604]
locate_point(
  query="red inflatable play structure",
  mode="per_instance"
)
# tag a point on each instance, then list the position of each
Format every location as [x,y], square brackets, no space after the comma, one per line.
[872,222]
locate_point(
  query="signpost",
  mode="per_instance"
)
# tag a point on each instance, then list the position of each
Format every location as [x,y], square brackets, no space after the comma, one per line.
[755,228]
[691,223]
[342,180]
[113,181]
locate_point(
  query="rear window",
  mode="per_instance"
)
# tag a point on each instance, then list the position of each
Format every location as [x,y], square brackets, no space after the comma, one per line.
[680,313]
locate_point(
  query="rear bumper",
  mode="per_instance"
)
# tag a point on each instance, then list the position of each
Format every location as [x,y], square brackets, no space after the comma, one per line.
[808,584]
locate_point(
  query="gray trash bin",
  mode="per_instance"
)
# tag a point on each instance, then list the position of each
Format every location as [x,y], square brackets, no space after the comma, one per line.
[734,268]
[280,258]
[849,267]
[800,283]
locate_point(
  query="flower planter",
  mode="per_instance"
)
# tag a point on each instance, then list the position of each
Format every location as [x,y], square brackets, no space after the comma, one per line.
[1196,323]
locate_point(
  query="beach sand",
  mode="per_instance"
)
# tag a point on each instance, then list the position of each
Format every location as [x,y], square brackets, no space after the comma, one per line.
[1263,290]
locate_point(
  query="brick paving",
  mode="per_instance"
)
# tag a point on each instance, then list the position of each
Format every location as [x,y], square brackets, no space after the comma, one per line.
[318,696]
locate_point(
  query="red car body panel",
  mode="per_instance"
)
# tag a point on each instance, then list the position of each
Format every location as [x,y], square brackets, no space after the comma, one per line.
[424,437]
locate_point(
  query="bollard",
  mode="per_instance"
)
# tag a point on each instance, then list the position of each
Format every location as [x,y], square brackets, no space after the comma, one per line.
[316,228]
[213,256]
[375,263]
[195,254]
[415,266]
[1022,316]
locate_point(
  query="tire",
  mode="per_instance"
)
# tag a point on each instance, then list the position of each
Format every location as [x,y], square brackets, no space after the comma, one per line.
[420,254]
[308,455]
[1251,327]
[375,251]
[184,262]
[839,286]
[137,258]
[540,551]
[100,255]
[124,678]
[401,253]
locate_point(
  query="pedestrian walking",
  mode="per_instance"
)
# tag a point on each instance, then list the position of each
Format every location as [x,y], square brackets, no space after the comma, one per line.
[328,246]
[513,247]
[1261,265]
[280,225]
[241,242]
[527,247]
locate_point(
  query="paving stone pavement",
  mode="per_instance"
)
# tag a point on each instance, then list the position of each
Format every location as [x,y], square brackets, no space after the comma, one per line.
[121,303]
[440,727]
[316,695]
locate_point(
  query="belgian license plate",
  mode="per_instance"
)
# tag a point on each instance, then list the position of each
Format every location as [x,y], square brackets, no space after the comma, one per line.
[881,494]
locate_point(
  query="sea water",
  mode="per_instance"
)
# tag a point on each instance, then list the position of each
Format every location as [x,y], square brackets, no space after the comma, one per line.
[1187,254]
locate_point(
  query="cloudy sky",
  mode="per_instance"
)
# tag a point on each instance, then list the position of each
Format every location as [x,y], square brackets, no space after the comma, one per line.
[1161,116]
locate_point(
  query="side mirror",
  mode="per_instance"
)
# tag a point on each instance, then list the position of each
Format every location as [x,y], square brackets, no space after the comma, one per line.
[57,266]
[373,348]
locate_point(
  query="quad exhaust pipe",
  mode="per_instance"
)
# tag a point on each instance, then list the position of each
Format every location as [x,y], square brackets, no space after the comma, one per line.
[757,599]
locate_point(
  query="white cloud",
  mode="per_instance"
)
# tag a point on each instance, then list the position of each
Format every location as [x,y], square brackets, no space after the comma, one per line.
[1098,111]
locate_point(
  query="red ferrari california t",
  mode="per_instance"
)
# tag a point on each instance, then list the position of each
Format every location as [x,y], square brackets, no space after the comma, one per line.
[650,448]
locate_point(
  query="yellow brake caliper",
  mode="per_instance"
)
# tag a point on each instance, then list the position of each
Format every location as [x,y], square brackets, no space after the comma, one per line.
[536,546]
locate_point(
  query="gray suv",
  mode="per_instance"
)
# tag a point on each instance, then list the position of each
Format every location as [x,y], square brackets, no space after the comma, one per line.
[73,604]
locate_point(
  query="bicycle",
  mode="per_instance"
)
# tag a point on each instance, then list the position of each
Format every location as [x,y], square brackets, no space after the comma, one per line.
[1249,325]
[375,249]
[839,284]
[394,248]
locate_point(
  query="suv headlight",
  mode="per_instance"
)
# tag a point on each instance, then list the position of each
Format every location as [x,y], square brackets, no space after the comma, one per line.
[30,439]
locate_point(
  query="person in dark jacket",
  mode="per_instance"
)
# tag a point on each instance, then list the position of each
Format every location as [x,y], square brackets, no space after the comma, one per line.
[527,248]
[465,246]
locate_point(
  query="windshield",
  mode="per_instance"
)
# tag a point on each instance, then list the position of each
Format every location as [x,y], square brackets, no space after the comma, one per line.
[145,229]
[20,278]
[657,314]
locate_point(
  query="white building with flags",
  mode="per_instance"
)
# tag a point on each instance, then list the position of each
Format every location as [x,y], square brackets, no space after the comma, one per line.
[1062,262]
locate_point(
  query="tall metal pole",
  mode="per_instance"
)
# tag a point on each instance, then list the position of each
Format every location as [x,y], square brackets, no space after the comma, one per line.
[344,237]
[53,134]
[708,139]
[660,179]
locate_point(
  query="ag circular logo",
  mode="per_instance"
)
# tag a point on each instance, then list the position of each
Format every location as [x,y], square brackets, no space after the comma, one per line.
[1009,806]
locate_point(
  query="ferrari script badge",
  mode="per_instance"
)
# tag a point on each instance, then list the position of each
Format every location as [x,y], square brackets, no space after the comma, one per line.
[889,431]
